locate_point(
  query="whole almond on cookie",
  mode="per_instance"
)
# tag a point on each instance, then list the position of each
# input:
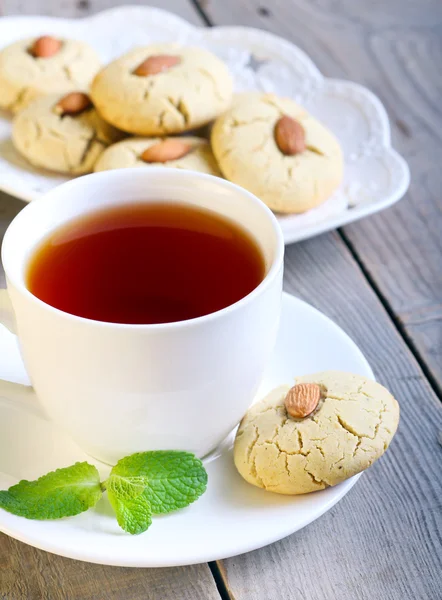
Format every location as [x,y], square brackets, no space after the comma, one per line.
[171,149]
[352,427]
[302,399]
[289,136]
[156,64]
[45,46]
[73,104]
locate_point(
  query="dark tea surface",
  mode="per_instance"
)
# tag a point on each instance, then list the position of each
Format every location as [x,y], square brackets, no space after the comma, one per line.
[145,263]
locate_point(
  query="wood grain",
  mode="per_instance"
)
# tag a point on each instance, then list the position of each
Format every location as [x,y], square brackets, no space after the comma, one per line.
[384,539]
[82,8]
[395,48]
[31,574]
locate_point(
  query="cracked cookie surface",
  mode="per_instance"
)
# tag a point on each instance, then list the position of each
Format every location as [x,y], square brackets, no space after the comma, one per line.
[187,95]
[66,144]
[24,77]
[128,154]
[244,145]
[352,427]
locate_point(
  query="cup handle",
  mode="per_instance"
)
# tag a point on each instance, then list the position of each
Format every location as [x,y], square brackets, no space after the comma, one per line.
[14,381]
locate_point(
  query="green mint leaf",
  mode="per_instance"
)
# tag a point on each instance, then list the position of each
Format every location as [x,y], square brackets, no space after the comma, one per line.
[61,493]
[126,488]
[131,506]
[175,478]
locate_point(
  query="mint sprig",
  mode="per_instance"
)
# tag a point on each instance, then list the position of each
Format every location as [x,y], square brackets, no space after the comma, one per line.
[138,486]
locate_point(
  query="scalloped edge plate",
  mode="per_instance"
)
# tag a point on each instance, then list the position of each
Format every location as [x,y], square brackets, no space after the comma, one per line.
[376,176]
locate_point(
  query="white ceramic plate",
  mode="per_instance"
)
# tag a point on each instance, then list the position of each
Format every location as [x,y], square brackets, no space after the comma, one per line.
[231,518]
[375,175]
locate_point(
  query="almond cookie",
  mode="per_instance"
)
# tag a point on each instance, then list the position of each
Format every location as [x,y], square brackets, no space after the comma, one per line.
[318,435]
[35,67]
[62,133]
[162,89]
[185,152]
[272,147]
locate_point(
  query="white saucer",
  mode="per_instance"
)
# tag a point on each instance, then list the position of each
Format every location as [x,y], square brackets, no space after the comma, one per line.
[231,518]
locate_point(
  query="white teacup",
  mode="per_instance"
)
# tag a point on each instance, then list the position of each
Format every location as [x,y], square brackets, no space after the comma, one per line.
[118,389]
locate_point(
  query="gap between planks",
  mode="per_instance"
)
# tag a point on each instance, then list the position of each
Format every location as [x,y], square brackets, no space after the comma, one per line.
[217,567]
[199,7]
[393,317]
[220,577]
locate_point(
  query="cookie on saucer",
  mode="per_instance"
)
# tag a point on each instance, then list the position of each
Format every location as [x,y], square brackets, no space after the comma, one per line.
[327,428]
[35,67]
[185,152]
[62,133]
[274,148]
[162,89]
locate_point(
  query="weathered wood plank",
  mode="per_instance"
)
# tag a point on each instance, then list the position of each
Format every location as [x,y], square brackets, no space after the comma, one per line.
[395,50]
[82,8]
[31,574]
[384,540]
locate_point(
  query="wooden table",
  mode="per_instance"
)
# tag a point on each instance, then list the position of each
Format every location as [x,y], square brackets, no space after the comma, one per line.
[380,279]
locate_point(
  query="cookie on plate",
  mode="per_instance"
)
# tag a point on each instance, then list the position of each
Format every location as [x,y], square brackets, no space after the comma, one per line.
[274,148]
[162,89]
[62,133]
[185,152]
[349,423]
[35,67]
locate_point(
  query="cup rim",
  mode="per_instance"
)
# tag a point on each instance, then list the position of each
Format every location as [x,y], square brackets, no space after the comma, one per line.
[19,284]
